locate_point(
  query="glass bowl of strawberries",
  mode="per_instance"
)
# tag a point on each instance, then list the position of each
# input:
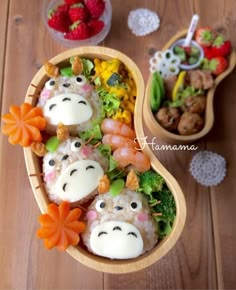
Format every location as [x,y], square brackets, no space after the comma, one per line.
[76,23]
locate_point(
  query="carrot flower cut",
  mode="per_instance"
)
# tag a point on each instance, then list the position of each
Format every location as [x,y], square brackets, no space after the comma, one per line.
[60,226]
[23,124]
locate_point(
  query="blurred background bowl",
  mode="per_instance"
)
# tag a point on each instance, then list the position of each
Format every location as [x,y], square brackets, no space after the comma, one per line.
[59,36]
[180,42]
[157,130]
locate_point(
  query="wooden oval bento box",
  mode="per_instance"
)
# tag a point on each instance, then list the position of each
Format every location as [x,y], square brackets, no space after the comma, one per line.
[33,164]
[157,130]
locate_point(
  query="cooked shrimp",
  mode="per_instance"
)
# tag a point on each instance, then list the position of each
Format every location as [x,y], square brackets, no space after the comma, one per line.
[110,126]
[126,156]
[116,141]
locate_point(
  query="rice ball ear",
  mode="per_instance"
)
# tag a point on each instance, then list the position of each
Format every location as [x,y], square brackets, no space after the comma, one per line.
[119,227]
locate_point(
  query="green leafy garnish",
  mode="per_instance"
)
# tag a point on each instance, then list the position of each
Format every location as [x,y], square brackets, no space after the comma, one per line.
[97,82]
[110,102]
[95,132]
[189,91]
[113,171]
[183,95]
[112,164]
[87,66]
[105,150]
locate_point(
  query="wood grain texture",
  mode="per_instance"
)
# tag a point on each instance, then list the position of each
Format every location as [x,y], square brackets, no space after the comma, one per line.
[222,140]
[205,255]
[3,40]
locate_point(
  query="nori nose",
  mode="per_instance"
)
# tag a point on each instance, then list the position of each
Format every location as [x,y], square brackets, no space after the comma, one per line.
[118,207]
[66,85]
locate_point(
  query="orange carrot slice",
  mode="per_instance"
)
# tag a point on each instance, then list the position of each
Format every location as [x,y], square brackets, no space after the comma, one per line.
[23,124]
[60,226]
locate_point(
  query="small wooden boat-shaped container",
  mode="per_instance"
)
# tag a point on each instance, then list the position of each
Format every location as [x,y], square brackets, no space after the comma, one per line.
[157,130]
[33,164]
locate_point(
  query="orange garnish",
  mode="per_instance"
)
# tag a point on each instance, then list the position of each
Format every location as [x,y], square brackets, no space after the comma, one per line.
[23,124]
[104,184]
[77,65]
[51,70]
[60,226]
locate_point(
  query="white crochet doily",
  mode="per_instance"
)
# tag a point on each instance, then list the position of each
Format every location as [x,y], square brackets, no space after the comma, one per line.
[143,21]
[208,168]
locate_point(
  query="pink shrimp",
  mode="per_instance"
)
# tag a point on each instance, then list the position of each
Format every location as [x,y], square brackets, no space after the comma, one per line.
[126,156]
[116,141]
[110,126]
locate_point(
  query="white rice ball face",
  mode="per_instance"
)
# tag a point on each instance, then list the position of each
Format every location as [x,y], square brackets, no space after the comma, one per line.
[71,101]
[73,171]
[119,227]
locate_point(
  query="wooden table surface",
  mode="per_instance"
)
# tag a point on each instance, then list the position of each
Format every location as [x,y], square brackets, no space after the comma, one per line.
[205,255]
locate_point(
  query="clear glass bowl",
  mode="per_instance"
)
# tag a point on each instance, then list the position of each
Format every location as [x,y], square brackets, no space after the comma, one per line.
[201,56]
[59,36]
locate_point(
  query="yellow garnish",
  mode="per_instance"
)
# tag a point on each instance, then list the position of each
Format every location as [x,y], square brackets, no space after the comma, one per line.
[179,86]
[124,116]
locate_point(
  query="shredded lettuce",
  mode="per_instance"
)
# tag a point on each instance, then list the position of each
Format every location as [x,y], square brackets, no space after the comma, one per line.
[113,171]
[183,95]
[115,174]
[112,164]
[110,102]
[189,91]
[87,66]
[105,150]
[97,82]
[95,132]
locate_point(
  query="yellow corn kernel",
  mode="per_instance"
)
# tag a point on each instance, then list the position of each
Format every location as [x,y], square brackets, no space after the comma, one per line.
[124,117]
[128,106]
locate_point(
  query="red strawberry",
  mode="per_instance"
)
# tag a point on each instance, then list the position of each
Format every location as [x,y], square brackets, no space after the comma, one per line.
[95,7]
[64,8]
[221,47]
[59,20]
[71,2]
[205,36]
[208,53]
[218,65]
[78,12]
[95,26]
[80,31]
[187,49]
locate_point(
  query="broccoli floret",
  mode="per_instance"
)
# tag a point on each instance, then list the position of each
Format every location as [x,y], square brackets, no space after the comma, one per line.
[150,181]
[160,199]
[165,206]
